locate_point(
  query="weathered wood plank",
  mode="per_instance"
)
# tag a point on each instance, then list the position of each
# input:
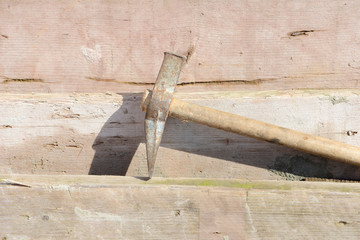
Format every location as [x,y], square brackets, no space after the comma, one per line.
[97,46]
[96,207]
[103,134]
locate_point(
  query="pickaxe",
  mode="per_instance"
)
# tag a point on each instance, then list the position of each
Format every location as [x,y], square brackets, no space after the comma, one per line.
[159,104]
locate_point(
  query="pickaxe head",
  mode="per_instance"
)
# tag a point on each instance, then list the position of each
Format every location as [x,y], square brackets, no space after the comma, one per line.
[157,105]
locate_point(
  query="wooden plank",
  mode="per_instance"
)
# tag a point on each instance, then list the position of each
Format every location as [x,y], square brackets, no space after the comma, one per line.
[103,134]
[97,207]
[105,45]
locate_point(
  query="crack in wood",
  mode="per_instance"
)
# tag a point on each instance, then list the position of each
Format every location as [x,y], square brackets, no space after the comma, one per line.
[74,146]
[256,81]
[103,79]
[301,33]
[251,82]
[9,182]
[27,80]
[315,179]
[241,81]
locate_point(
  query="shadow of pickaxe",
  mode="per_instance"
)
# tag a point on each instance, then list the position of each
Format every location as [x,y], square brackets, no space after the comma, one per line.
[159,104]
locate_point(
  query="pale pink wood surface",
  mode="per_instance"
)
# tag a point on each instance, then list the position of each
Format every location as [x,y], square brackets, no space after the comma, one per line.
[96,46]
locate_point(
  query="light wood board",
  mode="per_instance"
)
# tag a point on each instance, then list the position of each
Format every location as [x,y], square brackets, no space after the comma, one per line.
[94,207]
[104,134]
[98,46]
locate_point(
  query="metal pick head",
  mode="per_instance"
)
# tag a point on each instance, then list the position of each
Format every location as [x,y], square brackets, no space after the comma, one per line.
[159,104]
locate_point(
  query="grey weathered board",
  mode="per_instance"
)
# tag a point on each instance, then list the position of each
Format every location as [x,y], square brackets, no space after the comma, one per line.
[97,207]
[103,134]
[92,46]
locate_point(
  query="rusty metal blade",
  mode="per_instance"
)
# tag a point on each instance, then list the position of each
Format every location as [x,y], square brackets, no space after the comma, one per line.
[158,108]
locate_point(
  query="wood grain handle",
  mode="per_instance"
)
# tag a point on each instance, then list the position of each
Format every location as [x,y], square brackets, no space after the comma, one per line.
[265,131]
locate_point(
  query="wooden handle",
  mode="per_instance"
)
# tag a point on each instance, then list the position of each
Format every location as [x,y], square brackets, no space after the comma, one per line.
[265,131]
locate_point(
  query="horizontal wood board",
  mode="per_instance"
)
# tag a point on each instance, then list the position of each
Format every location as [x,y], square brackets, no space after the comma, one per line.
[106,45]
[92,207]
[103,134]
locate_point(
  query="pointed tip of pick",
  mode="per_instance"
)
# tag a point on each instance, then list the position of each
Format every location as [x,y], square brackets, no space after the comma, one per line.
[150,174]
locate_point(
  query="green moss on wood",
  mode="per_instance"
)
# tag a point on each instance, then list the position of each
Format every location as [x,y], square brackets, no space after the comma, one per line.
[221,183]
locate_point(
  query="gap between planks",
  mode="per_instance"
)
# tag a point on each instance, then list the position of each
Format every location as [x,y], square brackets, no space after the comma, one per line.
[85,181]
